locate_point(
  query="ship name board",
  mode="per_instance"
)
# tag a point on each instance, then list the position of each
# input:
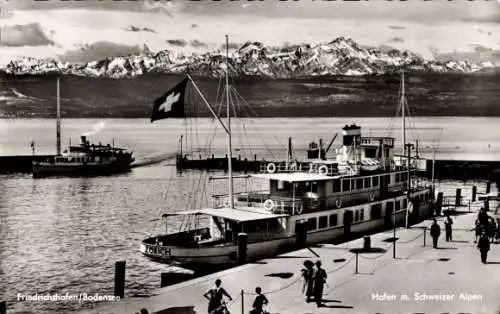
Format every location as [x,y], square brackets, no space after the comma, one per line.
[159,250]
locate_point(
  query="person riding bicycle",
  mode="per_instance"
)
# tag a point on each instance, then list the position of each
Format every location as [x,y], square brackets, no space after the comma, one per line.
[259,302]
[215,296]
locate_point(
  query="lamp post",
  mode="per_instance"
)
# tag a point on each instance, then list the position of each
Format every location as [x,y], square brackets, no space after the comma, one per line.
[394,229]
[409,147]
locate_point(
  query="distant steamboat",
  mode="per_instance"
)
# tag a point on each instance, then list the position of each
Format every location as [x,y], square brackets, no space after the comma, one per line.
[82,160]
[85,159]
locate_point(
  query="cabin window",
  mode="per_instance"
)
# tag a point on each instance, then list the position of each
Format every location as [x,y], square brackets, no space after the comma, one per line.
[281,185]
[346,185]
[397,177]
[386,152]
[404,177]
[376,211]
[359,184]
[375,181]
[311,224]
[362,214]
[323,222]
[388,178]
[333,220]
[389,207]
[367,182]
[336,186]
[314,187]
[370,152]
[398,205]
[356,216]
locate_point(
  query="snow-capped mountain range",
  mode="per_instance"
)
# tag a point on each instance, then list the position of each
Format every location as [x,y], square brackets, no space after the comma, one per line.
[341,56]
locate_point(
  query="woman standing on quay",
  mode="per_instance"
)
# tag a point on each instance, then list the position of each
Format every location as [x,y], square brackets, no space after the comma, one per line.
[308,274]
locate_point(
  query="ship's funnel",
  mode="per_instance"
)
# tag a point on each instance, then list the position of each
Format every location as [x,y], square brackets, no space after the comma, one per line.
[350,133]
[83,139]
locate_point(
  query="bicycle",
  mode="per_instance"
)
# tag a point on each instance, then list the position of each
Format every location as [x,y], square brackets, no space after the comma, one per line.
[222,309]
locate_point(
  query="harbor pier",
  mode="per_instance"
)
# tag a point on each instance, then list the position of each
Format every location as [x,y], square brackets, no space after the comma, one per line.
[443,168]
[417,278]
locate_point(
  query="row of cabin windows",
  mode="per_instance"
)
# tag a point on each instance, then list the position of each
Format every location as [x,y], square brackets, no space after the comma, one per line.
[287,186]
[75,159]
[364,183]
[376,209]
[322,223]
[359,215]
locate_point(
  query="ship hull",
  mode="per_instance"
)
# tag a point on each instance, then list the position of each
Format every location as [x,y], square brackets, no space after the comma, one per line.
[226,254]
[41,170]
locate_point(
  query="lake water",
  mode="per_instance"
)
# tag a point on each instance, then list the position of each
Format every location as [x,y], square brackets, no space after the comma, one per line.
[63,235]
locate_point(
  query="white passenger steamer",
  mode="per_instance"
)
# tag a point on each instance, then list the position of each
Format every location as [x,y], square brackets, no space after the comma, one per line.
[360,190]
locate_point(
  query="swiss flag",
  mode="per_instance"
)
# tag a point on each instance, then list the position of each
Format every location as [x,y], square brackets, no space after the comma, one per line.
[171,104]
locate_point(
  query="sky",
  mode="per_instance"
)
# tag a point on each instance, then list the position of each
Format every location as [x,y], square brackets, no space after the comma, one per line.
[92,29]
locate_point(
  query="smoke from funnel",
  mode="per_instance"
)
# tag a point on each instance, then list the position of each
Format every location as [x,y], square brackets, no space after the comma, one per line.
[95,129]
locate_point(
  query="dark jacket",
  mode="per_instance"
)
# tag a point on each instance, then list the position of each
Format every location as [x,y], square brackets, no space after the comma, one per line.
[435,230]
[447,224]
[484,243]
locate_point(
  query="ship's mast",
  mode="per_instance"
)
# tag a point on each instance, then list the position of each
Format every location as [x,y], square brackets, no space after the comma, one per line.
[408,146]
[229,153]
[403,128]
[58,122]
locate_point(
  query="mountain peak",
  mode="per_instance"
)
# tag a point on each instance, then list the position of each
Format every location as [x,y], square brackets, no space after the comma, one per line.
[342,56]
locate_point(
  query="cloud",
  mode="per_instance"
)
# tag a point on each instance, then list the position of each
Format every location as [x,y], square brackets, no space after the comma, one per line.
[177,42]
[385,48]
[24,35]
[194,26]
[98,51]
[396,27]
[396,40]
[133,28]
[197,43]
[481,48]
[434,51]
[440,11]
[478,54]
[231,46]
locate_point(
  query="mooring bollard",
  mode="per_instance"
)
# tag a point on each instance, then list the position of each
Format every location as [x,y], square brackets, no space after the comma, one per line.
[458,197]
[474,192]
[367,243]
[439,203]
[300,234]
[120,279]
[488,187]
[241,255]
[164,281]
[3,307]
[357,262]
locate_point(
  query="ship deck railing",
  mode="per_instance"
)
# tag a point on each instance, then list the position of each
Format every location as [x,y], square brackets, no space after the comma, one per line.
[313,166]
[290,205]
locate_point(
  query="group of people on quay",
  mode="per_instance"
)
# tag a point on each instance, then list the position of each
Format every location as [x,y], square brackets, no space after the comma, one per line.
[487,230]
[314,276]
[314,281]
